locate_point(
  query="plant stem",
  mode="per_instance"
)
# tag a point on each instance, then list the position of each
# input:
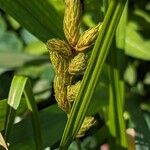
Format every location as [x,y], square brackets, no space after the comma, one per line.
[92,73]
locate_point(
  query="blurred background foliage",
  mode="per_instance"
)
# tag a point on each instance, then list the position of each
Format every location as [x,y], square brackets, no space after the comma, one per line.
[24,54]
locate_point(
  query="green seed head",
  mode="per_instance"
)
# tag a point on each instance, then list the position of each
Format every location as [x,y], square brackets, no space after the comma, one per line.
[59,46]
[78,64]
[86,125]
[69,60]
[72,91]
[60,94]
[88,38]
[72,18]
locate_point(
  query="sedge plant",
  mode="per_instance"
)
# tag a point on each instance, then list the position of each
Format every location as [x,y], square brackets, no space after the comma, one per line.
[76,72]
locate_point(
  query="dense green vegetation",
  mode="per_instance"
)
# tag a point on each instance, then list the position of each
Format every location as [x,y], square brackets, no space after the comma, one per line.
[116,84]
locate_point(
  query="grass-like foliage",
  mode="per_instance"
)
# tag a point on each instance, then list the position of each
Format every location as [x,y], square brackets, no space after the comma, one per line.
[93,92]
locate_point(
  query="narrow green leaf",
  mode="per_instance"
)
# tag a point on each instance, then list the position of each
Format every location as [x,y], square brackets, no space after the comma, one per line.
[16,90]
[136,45]
[39,17]
[3,107]
[35,119]
[92,73]
[19,85]
[111,112]
[2,142]
[116,123]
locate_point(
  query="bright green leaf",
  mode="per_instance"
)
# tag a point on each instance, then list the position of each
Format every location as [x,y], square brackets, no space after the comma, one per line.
[2,142]
[16,90]
[36,48]
[130,75]
[15,25]
[20,85]
[28,37]
[136,45]
[3,107]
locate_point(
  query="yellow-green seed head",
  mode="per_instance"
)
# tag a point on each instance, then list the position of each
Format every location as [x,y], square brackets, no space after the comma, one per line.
[72,91]
[72,18]
[86,125]
[78,64]
[59,46]
[61,93]
[88,38]
[56,60]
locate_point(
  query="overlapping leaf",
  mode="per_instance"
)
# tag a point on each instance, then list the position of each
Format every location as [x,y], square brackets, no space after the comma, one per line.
[39,17]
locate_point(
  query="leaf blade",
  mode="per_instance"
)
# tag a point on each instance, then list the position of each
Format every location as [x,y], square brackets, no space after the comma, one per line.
[2,142]
[31,104]
[15,93]
[136,46]
[41,22]
[20,85]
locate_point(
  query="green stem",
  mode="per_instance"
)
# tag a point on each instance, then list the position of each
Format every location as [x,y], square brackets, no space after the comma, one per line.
[92,73]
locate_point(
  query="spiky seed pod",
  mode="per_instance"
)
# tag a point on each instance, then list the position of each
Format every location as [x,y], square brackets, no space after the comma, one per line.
[88,38]
[78,64]
[61,80]
[86,125]
[72,91]
[61,93]
[55,60]
[71,22]
[65,65]
[59,46]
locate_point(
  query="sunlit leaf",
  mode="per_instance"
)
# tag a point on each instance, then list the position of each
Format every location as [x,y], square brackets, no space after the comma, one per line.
[20,85]
[2,142]
[136,45]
